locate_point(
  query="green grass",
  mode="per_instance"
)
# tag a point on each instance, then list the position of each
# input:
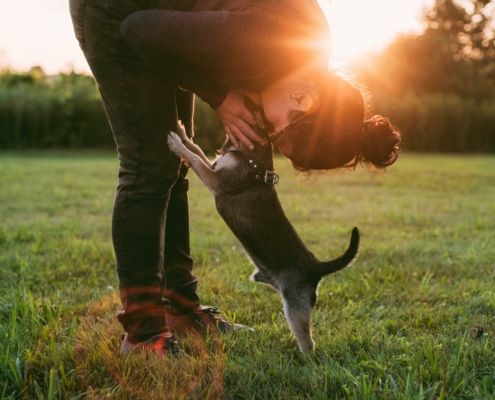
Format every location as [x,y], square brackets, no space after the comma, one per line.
[414,318]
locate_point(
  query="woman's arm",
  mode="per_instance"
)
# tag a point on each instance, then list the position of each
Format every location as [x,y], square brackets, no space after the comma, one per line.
[187,75]
[222,40]
[179,45]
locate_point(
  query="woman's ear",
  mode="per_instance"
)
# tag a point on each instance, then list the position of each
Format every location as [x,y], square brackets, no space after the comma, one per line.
[303,101]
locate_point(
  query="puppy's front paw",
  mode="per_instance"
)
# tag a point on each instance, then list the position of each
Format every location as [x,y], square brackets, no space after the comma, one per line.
[181,132]
[175,144]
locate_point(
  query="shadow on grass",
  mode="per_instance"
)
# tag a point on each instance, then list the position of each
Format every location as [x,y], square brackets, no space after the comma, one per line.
[198,374]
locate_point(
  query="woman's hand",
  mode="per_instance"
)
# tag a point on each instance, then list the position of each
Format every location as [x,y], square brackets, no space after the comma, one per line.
[236,119]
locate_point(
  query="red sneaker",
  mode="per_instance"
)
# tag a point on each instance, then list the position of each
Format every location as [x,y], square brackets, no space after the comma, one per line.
[163,344]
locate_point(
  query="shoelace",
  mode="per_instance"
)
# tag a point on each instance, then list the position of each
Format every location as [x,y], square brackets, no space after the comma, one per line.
[214,312]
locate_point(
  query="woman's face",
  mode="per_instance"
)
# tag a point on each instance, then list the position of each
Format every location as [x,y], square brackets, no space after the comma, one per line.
[279,114]
[280,100]
[276,109]
[285,146]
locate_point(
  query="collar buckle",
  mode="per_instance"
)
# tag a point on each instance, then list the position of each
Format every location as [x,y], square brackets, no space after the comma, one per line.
[271,178]
[266,177]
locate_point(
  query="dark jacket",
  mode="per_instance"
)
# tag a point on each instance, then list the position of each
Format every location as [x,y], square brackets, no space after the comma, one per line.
[214,45]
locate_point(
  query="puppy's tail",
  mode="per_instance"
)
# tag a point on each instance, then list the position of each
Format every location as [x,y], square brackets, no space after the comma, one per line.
[344,260]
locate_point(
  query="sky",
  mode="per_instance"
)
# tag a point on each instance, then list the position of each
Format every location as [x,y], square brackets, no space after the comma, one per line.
[39,32]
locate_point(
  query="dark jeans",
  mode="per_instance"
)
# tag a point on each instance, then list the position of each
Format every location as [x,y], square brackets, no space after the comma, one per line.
[150,224]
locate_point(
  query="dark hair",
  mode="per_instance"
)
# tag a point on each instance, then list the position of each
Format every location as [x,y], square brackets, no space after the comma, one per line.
[336,135]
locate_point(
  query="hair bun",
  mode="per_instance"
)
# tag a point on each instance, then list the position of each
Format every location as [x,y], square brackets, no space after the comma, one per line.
[380,143]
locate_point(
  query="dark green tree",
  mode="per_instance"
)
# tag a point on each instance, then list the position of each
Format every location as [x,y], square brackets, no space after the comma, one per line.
[438,87]
[470,29]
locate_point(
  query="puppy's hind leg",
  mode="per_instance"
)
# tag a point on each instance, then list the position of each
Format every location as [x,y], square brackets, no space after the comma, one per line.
[298,309]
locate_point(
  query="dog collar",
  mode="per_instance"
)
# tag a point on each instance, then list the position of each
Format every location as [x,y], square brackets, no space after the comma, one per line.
[268,177]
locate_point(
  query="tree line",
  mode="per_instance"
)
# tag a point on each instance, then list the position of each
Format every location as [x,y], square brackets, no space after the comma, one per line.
[438,87]
[65,111]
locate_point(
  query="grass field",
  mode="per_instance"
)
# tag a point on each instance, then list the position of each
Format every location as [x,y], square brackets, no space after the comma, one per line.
[414,318]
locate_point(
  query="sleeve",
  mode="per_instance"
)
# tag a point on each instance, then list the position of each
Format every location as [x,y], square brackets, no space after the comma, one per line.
[165,51]
[182,45]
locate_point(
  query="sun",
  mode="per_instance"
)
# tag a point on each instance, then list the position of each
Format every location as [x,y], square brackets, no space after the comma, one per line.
[363,26]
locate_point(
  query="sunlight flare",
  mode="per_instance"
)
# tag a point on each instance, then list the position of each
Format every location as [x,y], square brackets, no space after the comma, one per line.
[364,26]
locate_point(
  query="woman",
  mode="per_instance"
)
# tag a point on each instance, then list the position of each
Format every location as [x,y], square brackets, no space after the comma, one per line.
[149,58]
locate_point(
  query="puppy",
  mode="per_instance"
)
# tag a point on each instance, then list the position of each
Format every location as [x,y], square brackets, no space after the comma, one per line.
[242,182]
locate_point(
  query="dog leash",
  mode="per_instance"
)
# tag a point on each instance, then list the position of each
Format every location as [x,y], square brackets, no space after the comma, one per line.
[258,113]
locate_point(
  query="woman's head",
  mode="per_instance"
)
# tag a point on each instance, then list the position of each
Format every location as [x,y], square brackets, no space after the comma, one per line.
[327,129]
